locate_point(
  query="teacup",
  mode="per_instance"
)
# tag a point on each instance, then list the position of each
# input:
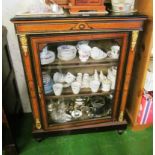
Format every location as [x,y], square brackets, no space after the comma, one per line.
[106,85]
[84,52]
[84,58]
[76,87]
[69,78]
[57,87]
[94,86]
[58,77]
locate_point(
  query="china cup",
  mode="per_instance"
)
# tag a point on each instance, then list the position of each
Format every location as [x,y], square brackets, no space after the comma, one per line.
[58,77]
[106,85]
[84,52]
[76,87]
[69,78]
[57,87]
[94,86]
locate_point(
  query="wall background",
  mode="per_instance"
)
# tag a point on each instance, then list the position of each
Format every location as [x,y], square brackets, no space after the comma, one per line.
[9,9]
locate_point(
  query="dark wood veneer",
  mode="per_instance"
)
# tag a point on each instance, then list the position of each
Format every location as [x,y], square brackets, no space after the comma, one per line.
[40,31]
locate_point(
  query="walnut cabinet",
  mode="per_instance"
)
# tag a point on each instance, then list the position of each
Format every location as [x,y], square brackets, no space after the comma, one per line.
[96,110]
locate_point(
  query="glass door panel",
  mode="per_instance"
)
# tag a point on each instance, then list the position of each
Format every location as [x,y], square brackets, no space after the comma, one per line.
[79,79]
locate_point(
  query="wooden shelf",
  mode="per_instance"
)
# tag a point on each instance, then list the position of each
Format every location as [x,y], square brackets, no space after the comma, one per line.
[77,63]
[84,92]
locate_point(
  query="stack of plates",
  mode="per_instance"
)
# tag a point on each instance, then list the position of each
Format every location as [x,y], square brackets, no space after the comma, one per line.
[66,52]
[47,82]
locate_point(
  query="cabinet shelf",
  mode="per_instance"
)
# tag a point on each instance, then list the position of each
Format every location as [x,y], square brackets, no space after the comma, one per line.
[83,92]
[77,63]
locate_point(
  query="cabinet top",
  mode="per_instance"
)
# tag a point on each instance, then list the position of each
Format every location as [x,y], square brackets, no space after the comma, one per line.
[73,23]
[42,17]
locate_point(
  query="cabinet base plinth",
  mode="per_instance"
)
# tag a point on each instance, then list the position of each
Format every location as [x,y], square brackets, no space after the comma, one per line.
[40,134]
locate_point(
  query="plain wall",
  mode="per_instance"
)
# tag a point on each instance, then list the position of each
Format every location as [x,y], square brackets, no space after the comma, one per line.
[9,9]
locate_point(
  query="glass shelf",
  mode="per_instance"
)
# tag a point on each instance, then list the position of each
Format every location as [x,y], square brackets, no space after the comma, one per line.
[77,63]
[83,92]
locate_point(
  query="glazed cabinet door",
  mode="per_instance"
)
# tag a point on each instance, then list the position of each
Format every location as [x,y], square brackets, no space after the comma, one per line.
[79,78]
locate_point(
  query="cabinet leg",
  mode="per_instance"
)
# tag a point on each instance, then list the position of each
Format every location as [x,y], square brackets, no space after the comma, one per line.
[38,139]
[120,132]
